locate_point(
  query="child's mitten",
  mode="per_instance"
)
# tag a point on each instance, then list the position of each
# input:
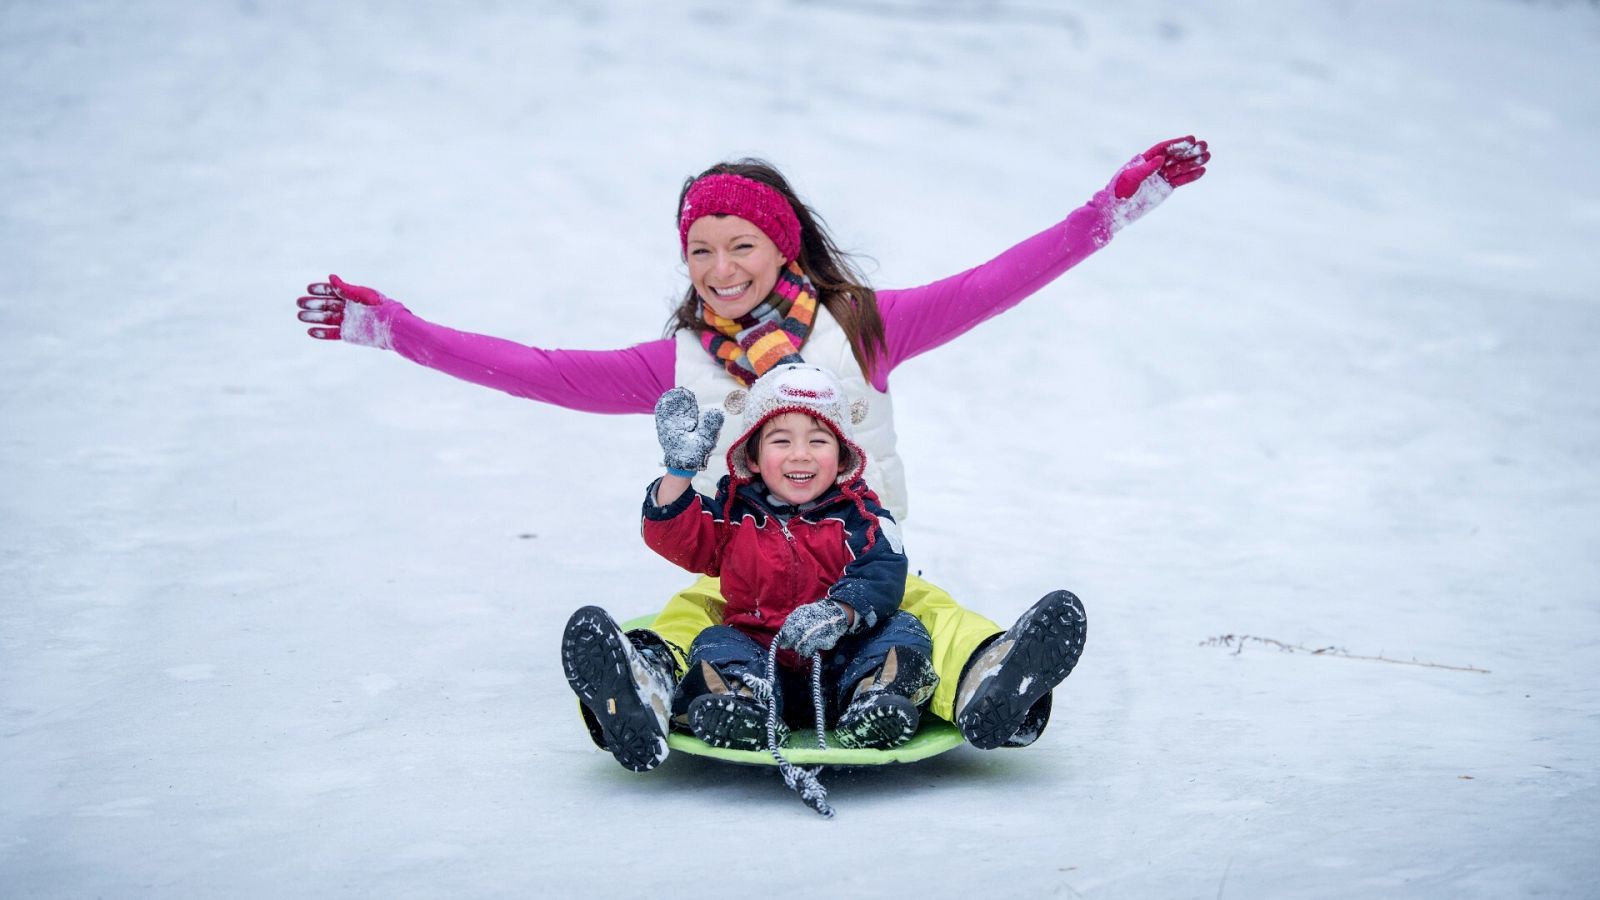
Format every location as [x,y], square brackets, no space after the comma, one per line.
[814,627]
[687,435]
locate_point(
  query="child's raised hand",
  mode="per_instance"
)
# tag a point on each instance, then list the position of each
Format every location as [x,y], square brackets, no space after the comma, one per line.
[814,627]
[1150,177]
[329,306]
[687,435]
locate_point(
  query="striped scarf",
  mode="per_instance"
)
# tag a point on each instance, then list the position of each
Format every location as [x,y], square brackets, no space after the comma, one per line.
[766,336]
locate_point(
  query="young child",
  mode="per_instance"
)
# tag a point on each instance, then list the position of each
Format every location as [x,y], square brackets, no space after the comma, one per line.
[809,561]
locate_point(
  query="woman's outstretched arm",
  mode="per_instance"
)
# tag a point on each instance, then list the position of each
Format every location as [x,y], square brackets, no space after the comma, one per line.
[918,319]
[628,380]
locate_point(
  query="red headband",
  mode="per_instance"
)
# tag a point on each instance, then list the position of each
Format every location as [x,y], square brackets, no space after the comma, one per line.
[735,195]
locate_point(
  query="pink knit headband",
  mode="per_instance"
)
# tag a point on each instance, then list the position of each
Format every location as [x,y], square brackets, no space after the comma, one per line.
[735,195]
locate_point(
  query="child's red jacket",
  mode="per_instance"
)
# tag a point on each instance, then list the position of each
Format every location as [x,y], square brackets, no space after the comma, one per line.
[773,557]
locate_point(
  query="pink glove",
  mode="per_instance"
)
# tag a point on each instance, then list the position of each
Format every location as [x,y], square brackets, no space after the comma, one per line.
[1180,161]
[1150,178]
[352,313]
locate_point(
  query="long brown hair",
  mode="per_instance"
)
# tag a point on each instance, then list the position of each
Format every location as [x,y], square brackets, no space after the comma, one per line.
[840,286]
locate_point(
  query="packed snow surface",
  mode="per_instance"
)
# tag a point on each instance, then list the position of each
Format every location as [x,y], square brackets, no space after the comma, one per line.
[1339,393]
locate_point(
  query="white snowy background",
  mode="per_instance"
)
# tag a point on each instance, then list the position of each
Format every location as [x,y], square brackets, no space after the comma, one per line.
[280,618]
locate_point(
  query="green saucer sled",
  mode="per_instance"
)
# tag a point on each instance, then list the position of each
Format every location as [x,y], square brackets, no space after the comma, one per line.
[933,738]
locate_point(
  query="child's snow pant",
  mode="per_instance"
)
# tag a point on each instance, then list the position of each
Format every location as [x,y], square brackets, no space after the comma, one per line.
[736,655]
[957,633]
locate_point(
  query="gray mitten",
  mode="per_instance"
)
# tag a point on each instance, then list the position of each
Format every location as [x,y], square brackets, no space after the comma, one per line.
[687,436]
[814,627]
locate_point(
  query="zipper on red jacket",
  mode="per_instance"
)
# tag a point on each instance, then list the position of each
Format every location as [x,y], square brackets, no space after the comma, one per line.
[794,555]
[794,559]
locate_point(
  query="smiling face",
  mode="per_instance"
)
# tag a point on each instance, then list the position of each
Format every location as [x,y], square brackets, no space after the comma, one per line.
[797,457]
[732,264]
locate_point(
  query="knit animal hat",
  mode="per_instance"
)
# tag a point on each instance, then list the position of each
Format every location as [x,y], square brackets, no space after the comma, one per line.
[802,388]
[724,194]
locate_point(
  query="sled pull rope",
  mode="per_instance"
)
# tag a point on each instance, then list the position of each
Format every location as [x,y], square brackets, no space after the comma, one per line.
[801,780]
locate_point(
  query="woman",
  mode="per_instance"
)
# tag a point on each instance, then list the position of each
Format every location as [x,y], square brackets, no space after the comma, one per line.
[767,284]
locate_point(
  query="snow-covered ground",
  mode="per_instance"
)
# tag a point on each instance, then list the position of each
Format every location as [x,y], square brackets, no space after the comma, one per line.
[280,618]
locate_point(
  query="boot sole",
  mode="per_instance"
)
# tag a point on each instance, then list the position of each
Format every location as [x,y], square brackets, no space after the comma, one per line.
[595,660]
[1047,647]
[722,721]
[890,721]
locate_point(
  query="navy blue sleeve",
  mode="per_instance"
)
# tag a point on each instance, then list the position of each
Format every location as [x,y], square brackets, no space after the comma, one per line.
[874,581]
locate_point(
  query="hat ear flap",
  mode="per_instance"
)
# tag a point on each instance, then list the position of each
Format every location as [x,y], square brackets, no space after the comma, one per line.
[858,411]
[735,401]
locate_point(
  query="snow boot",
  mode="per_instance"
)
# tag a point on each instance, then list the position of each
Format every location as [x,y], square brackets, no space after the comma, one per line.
[884,709]
[730,716]
[624,683]
[1003,699]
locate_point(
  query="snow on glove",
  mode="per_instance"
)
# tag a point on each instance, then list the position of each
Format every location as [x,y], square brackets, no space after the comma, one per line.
[345,312]
[1150,177]
[687,435]
[814,627]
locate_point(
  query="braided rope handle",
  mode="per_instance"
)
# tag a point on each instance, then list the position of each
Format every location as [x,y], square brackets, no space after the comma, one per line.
[802,781]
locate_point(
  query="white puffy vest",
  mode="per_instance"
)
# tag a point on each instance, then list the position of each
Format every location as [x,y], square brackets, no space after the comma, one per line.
[829,348]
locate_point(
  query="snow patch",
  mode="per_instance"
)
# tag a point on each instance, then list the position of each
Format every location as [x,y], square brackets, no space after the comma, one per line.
[193,672]
[1151,192]
[373,685]
[365,327]
[129,808]
[1183,149]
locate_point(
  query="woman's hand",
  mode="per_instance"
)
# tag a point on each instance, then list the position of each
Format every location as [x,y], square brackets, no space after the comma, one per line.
[344,312]
[1150,177]
[1177,161]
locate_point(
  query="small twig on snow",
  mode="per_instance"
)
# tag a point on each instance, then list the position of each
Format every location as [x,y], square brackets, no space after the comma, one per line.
[1237,642]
